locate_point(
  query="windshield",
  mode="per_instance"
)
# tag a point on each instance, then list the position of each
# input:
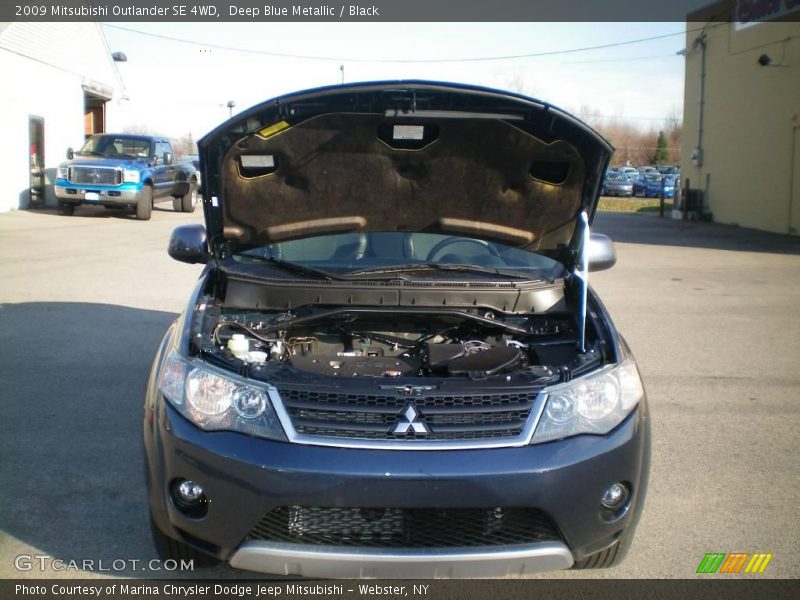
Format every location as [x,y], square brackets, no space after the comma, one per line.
[117,146]
[616,177]
[353,255]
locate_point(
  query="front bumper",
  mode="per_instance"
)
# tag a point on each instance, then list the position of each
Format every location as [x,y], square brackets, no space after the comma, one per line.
[122,195]
[619,191]
[656,192]
[297,559]
[245,478]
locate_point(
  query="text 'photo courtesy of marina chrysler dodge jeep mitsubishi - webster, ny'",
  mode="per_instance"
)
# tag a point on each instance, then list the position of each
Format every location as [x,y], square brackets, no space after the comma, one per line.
[392,364]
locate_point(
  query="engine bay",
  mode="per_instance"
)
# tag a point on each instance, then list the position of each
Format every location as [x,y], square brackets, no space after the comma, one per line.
[370,342]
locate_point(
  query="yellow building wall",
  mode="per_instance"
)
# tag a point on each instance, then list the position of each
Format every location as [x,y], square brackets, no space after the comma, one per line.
[751,117]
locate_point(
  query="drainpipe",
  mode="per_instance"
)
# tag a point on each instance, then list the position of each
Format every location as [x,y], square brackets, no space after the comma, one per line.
[697,155]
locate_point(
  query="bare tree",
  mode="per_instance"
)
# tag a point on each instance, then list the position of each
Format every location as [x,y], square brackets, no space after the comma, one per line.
[673,127]
[520,84]
[138,128]
[184,145]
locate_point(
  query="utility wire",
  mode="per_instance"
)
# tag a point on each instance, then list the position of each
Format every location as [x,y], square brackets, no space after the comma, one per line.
[394,60]
[612,60]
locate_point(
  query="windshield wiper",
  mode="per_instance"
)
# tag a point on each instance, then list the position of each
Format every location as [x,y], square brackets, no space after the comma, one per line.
[410,268]
[89,153]
[291,267]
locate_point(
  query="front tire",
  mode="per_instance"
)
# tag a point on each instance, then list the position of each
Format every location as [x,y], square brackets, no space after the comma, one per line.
[144,205]
[66,208]
[188,202]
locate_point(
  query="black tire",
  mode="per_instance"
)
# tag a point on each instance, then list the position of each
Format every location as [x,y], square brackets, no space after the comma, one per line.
[169,549]
[188,202]
[144,205]
[66,208]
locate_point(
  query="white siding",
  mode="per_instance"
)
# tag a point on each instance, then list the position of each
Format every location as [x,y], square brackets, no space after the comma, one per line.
[78,48]
[44,66]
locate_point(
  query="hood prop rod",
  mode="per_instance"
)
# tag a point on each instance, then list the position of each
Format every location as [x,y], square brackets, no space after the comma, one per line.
[581,274]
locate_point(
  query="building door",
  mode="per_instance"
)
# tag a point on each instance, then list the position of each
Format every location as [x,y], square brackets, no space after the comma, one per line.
[36,160]
[794,213]
[94,114]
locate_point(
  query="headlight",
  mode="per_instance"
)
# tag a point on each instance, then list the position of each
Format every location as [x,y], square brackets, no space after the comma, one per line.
[130,176]
[62,172]
[215,401]
[595,403]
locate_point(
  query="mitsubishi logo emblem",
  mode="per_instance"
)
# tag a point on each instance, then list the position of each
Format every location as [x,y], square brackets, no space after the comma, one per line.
[411,422]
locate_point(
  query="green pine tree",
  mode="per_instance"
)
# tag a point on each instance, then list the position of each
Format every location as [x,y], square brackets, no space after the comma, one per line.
[661,155]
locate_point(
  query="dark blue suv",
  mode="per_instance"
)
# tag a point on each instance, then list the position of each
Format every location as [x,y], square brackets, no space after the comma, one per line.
[392,364]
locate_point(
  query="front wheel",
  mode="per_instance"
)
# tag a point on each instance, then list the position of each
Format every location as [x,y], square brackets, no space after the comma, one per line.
[188,202]
[144,205]
[66,208]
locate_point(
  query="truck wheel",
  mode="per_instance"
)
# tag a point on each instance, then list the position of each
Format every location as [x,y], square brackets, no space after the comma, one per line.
[66,208]
[144,205]
[188,201]
[169,549]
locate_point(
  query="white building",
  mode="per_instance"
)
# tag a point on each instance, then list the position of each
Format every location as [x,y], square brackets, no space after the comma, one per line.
[60,85]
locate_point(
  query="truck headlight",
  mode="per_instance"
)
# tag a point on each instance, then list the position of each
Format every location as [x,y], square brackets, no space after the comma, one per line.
[130,176]
[595,403]
[62,172]
[214,400]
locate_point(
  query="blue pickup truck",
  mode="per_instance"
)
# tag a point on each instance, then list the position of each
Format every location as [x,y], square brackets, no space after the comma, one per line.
[125,171]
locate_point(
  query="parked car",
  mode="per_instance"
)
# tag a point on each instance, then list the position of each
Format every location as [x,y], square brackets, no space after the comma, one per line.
[669,170]
[392,364]
[630,172]
[125,171]
[617,184]
[649,185]
[647,170]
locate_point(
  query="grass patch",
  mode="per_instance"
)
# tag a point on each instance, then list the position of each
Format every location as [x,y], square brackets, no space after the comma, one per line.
[643,205]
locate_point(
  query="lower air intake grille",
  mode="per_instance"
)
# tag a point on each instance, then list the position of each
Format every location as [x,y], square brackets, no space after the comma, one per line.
[405,527]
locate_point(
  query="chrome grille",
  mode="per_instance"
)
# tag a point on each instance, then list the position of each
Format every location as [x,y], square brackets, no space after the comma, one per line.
[405,527]
[95,175]
[375,417]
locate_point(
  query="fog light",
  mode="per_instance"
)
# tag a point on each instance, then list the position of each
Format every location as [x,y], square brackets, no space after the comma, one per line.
[190,492]
[615,496]
[189,498]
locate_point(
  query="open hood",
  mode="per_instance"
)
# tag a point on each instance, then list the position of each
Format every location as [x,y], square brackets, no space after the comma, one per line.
[401,156]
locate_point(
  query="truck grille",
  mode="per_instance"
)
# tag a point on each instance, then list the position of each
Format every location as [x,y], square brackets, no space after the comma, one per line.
[95,175]
[379,417]
[405,527]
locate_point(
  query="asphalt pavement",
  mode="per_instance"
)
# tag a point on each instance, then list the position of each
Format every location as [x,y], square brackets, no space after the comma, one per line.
[711,312]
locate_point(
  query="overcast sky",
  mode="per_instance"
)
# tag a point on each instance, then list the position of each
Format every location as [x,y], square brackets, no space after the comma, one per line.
[177,88]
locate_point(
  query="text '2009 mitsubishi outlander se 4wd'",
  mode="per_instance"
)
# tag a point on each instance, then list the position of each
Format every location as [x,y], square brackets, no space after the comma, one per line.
[392,364]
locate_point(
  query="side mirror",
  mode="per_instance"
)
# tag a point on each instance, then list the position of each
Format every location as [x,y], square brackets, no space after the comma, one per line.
[602,255]
[167,158]
[189,244]
[70,154]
